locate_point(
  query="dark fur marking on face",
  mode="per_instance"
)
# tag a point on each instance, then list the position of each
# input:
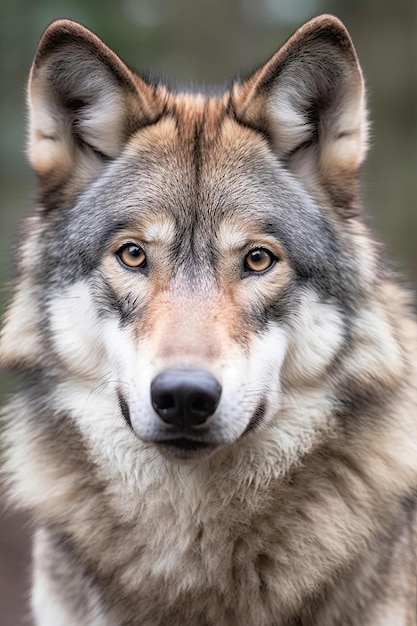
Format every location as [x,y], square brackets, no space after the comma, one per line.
[256,418]
[124,407]
[197,149]
[82,236]
[316,255]
[282,307]
[127,307]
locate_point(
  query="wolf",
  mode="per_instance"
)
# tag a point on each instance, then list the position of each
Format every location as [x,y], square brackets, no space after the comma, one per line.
[214,422]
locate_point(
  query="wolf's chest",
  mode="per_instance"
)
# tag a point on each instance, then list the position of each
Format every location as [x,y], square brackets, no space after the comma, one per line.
[206,575]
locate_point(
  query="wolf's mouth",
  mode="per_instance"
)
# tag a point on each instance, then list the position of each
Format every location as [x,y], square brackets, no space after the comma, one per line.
[185,444]
[178,444]
[184,448]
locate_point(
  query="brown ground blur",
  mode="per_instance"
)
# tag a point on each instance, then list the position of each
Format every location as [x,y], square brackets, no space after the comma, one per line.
[14,569]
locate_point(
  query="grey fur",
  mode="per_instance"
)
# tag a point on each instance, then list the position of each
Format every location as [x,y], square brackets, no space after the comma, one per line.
[301,510]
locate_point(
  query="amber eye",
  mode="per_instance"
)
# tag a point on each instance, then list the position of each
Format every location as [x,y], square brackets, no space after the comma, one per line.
[259,260]
[132,255]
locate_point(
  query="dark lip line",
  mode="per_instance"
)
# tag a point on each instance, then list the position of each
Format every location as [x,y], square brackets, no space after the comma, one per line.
[124,407]
[184,442]
[188,439]
[257,416]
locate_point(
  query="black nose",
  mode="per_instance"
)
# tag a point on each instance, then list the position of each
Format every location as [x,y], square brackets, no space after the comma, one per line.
[185,397]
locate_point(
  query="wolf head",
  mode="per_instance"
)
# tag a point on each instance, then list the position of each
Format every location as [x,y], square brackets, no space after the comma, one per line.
[197,269]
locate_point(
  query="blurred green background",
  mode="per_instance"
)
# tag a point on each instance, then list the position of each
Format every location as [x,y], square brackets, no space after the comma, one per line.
[196,41]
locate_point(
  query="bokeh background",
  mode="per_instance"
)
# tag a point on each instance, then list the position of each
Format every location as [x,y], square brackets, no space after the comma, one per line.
[194,42]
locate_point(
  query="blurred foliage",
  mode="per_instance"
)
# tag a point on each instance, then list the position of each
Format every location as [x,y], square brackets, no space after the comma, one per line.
[196,41]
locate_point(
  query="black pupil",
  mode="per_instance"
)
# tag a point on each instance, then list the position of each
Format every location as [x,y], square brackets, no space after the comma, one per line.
[257,255]
[134,251]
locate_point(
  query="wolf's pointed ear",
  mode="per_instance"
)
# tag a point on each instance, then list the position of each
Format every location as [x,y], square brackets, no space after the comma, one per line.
[83,105]
[309,100]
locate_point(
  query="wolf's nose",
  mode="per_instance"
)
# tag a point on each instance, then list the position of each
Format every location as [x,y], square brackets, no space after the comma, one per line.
[185,397]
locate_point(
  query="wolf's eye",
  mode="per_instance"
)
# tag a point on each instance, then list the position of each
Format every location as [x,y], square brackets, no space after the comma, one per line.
[132,255]
[259,260]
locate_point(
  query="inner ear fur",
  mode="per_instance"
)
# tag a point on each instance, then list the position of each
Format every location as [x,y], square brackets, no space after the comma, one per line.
[309,99]
[84,103]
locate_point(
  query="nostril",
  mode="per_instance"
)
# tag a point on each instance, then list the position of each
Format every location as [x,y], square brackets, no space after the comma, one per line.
[202,404]
[164,402]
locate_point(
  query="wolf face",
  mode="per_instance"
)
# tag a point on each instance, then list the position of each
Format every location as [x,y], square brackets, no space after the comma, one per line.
[196,259]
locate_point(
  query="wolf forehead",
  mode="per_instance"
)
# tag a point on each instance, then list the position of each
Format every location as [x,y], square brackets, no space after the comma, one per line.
[189,178]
